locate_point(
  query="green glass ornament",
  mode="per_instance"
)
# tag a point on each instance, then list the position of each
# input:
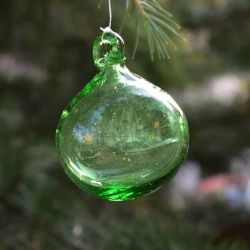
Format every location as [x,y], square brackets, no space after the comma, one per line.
[121,137]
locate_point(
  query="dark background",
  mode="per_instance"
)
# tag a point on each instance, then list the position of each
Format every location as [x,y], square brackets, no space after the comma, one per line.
[46,59]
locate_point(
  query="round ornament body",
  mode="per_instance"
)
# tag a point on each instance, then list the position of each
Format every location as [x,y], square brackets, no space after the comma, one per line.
[121,137]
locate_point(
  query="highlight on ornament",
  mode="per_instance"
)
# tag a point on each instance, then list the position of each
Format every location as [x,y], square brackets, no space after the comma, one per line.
[121,137]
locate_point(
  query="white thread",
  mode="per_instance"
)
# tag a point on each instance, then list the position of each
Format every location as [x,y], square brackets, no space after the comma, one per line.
[110,14]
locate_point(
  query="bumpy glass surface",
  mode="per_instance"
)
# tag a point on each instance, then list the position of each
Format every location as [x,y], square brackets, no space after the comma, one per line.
[121,137]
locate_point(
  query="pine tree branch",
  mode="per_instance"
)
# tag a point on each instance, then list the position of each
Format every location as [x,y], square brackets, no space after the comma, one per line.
[141,9]
[157,20]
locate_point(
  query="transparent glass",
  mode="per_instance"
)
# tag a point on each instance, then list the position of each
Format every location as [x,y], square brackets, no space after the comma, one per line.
[121,137]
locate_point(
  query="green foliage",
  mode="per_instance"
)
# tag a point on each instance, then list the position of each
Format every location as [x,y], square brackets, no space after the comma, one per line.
[155,19]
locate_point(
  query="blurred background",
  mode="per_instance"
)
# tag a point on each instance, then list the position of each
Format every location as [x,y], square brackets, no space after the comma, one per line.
[46,59]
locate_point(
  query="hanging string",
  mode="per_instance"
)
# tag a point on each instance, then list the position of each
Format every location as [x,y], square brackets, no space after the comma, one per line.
[107,29]
[110,14]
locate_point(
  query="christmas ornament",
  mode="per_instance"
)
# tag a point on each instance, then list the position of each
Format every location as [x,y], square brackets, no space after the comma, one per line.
[121,137]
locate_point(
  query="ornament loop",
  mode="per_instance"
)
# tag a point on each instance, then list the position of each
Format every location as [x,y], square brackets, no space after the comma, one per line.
[108,49]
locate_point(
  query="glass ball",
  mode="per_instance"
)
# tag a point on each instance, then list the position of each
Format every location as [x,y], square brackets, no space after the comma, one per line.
[121,137]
